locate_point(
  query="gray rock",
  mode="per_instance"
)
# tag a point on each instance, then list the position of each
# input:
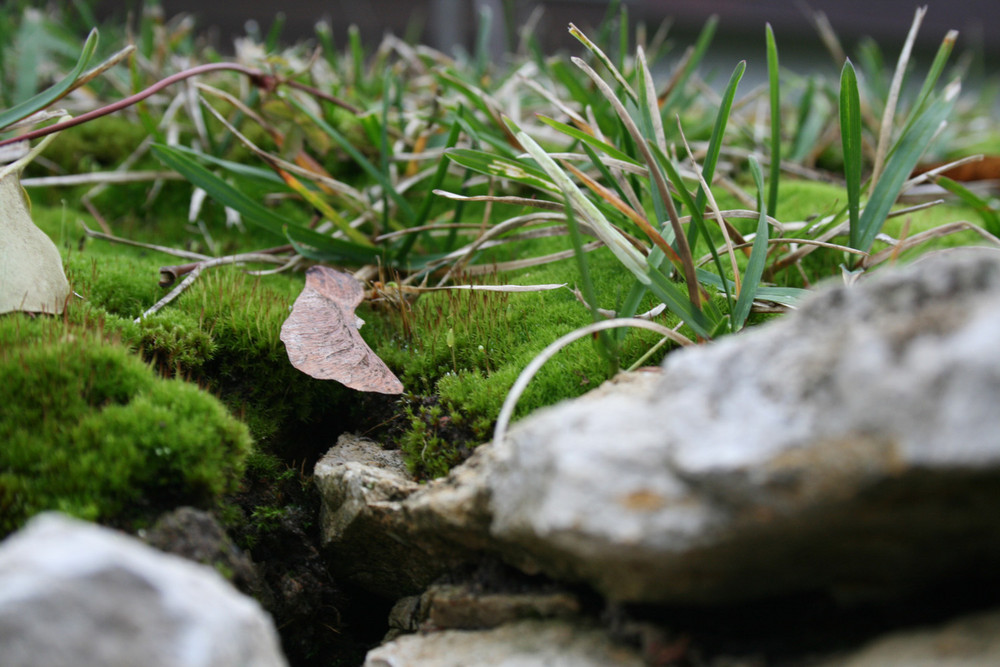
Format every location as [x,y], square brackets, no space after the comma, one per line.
[384,531]
[76,594]
[466,606]
[849,447]
[972,641]
[552,643]
[198,536]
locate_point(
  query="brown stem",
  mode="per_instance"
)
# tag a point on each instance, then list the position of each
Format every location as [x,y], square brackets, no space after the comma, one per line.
[259,78]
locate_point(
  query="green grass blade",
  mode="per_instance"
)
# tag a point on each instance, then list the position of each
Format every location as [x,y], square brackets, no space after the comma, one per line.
[589,139]
[786,296]
[697,216]
[987,213]
[271,41]
[850,136]
[813,114]
[758,254]
[484,30]
[324,34]
[772,77]
[678,303]
[649,107]
[243,171]
[54,93]
[898,168]
[254,212]
[715,145]
[357,52]
[607,343]
[502,167]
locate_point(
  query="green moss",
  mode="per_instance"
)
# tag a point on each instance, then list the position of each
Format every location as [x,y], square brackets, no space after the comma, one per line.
[91,430]
[456,390]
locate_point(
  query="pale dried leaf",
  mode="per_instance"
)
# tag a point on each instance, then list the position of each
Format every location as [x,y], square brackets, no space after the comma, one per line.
[31,272]
[322,338]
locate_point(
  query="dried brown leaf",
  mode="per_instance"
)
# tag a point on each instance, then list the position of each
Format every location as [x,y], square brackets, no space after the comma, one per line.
[322,338]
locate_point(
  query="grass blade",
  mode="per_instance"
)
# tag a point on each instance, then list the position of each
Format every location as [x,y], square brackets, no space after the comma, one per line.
[54,93]
[758,255]
[671,97]
[604,60]
[850,136]
[933,74]
[660,188]
[987,212]
[885,129]
[899,167]
[255,213]
[502,167]
[772,78]
[589,139]
[607,345]
[715,144]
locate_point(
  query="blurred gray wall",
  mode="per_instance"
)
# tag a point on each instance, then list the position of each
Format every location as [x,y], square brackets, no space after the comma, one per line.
[449,23]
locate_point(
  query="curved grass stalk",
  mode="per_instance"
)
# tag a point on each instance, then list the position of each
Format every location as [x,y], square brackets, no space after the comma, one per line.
[507,410]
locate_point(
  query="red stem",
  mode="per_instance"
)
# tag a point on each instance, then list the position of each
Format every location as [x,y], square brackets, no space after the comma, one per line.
[259,78]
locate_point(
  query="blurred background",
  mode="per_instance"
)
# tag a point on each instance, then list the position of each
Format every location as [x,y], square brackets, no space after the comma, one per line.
[446,24]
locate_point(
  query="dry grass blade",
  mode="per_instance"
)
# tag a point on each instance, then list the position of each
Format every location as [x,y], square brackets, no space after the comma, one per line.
[100,177]
[543,204]
[775,241]
[654,111]
[576,118]
[683,250]
[678,74]
[439,227]
[195,271]
[459,258]
[628,211]
[186,254]
[923,237]
[885,130]
[829,37]
[517,264]
[604,60]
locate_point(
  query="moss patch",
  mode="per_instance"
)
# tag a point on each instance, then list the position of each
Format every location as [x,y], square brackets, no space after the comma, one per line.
[91,430]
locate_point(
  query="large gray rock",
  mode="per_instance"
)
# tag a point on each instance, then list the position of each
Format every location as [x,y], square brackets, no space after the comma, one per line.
[75,594]
[852,446]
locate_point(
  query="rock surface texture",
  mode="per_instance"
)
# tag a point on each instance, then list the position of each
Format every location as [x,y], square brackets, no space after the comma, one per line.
[75,594]
[852,447]
[520,644]
[818,453]
[849,451]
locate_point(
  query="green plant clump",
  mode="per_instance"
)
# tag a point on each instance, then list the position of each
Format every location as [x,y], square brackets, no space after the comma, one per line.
[91,430]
